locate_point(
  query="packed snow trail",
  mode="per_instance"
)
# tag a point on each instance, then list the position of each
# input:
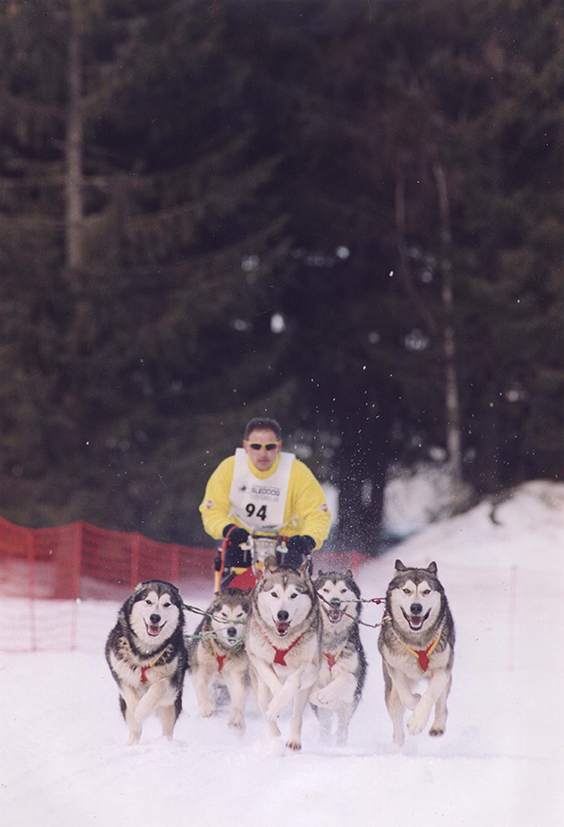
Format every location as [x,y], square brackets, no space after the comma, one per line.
[499,763]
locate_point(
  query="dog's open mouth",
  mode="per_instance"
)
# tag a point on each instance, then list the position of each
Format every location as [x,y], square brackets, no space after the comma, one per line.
[281,627]
[334,613]
[416,621]
[153,629]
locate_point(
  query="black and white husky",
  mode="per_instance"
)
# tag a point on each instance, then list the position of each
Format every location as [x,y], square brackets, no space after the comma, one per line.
[283,642]
[147,657]
[416,641]
[217,656]
[341,677]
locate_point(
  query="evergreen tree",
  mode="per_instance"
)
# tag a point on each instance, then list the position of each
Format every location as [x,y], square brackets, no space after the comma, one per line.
[145,307]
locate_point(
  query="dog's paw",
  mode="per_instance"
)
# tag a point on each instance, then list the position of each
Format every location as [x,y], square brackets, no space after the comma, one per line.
[236,720]
[278,705]
[436,731]
[416,722]
[207,709]
[332,696]
[294,744]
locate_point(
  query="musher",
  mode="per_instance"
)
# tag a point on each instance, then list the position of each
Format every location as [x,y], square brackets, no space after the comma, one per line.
[262,488]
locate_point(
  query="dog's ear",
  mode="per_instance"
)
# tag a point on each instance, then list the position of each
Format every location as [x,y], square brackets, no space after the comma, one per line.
[320,574]
[303,570]
[400,566]
[247,591]
[432,567]
[270,564]
[349,574]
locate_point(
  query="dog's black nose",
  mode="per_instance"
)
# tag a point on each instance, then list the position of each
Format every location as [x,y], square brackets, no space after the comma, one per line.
[283,615]
[155,619]
[232,632]
[335,602]
[416,608]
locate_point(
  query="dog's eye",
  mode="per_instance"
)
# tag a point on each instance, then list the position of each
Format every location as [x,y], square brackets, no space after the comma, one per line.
[343,591]
[407,591]
[166,605]
[149,602]
[293,596]
[425,592]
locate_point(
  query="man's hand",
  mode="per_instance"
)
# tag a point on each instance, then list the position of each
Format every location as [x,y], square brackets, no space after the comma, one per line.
[234,554]
[298,546]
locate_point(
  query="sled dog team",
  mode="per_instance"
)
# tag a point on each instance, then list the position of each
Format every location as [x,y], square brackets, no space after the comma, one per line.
[294,641]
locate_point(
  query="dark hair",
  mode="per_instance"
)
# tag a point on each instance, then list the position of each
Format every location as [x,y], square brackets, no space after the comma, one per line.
[263,424]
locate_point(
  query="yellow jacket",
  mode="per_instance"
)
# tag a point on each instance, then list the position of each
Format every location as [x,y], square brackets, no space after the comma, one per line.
[305,512]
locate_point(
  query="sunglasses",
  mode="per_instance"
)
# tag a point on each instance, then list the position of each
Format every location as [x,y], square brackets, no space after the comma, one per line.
[256,446]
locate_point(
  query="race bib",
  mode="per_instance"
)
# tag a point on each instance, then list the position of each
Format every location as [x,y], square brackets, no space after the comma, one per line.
[260,504]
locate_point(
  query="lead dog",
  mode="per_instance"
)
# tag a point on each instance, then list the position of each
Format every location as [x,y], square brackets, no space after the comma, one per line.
[338,687]
[216,653]
[283,642]
[416,640]
[147,657]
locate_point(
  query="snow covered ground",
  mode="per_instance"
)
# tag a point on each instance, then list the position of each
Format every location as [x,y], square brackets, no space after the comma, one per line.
[499,763]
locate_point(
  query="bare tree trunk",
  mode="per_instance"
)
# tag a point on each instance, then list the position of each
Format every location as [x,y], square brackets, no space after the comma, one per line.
[405,269]
[452,403]
[74,146]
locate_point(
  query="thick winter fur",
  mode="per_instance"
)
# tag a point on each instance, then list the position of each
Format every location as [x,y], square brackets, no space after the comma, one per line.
[341,677]
[217,656]
[283,643]
[417,616]
[147,657]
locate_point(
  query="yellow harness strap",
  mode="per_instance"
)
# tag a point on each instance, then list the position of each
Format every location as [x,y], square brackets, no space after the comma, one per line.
[423,655]
[153,663]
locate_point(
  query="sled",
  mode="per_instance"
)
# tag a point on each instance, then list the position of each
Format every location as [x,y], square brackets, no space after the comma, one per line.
[259,546]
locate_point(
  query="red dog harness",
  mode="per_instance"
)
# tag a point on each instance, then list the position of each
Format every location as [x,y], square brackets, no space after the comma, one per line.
[280,655]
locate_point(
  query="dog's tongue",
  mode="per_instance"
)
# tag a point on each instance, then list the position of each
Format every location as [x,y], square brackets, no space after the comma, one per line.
[335,615]
[415,622]
[154,630]
[282,628]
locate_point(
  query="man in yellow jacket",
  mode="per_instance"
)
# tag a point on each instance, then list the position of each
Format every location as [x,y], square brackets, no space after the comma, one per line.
[262,488]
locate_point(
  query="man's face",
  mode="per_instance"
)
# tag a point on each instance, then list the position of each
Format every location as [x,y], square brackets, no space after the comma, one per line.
[263,447]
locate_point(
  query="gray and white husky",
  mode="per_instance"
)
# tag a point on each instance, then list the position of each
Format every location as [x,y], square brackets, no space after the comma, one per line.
[341,677]
[147,657]
[283,642]
[217,656]
[416,640]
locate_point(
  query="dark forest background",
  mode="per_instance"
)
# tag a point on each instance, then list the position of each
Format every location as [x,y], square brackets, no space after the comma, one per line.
[345,215]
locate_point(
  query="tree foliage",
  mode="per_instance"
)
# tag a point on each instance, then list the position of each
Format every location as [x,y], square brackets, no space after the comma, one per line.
[263,229]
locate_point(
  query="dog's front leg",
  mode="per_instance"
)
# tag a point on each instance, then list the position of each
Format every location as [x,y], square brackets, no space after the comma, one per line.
[300,699]
[340,690]
[303,678]
[263,692]
[131,701]
[202,680]
[239,692]
[441,712]
[160,693]
[408,698]
[437,685]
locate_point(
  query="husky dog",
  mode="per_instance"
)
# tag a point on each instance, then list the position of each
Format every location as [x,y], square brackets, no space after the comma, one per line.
[416,640]
[283,642]
[216,653]
[343,664]
[147,657]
